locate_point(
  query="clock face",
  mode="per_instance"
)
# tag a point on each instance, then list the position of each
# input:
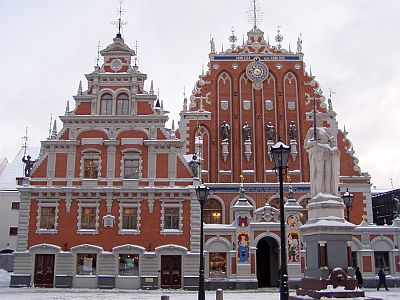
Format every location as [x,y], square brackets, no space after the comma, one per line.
[116,64]
[257,71]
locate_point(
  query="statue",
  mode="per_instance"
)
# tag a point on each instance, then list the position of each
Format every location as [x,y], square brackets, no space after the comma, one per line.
[225,130]
[246,132]
[194,166]
[212,45]
[323,157]
[28,165]
[292,130]
[270,131]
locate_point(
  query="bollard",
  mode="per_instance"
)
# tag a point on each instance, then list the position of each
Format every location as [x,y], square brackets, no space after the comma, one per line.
[164,297]
[219,294]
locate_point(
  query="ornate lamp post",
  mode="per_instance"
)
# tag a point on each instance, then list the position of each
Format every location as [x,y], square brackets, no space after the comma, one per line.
[348,201]
[280,153]
[202,194]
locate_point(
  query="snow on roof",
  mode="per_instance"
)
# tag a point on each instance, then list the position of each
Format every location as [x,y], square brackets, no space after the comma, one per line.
[16,169]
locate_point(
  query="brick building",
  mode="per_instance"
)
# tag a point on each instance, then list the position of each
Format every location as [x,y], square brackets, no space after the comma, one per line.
[111,201]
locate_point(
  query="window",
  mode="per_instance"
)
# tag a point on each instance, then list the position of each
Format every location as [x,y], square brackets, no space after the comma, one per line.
[91,168]
[129,218]
[86,264]
[217,264]
[13,231]
[212,212]
[171,217]
[131,168]
[122,104]
[128,265]
[106,105]
[382,260]
[88,217]
[15,205]
[47,218]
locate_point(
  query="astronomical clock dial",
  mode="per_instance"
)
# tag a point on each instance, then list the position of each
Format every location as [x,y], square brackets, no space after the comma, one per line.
[116,65]
[257,72]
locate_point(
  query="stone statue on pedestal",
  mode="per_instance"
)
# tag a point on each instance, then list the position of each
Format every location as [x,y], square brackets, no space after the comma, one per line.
[270,131]
[323,156]
[194,166]
[246,132]
[225,130]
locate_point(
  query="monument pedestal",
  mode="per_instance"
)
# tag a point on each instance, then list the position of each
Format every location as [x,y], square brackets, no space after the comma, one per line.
[327,236]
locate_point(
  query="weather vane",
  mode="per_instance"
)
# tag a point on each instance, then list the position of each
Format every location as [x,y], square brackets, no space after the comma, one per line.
[98,54]
[232,38]
[25,138]
[119,23]
[279,38]
[136,53]
[254,13]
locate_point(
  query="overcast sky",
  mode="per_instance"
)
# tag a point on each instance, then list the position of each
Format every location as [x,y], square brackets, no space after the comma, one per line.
[352,47]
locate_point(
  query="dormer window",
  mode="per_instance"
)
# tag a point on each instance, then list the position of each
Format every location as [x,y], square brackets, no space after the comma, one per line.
[122,104]
[106,104]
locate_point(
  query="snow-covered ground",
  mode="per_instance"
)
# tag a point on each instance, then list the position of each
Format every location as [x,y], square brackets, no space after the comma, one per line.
[85,294]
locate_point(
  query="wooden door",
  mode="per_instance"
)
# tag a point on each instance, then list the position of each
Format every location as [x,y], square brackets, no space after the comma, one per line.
[171,271]
[44,270]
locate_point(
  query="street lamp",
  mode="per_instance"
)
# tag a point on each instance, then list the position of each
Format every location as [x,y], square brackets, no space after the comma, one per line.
[280,154]
[348,201]
[202,194]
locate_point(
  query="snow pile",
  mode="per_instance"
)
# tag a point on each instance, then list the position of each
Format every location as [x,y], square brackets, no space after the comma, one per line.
[4,278]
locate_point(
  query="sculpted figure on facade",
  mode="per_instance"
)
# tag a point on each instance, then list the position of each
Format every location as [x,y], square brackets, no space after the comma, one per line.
[246,132]
[292,130]
[323,157]
[225,130]
[194,166]
[28,165]
[270,131]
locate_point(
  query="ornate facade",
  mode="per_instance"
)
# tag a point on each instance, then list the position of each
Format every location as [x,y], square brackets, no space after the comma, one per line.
[111,201]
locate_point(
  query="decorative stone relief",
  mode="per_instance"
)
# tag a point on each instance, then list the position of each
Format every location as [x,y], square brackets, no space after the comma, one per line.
[269,105]
[68,200]
[246,104]
[365,239]
[150,202]
[224,104]
[291,105]
[215,66]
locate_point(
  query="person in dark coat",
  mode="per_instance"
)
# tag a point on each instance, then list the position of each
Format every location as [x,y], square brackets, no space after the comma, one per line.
[359,278]
[382,279]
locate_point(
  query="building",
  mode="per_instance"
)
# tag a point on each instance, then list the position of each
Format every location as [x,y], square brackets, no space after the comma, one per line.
[386,207]
[111,201]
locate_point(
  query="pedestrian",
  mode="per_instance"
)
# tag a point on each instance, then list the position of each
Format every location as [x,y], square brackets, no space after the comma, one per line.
[382,279]
[359,278]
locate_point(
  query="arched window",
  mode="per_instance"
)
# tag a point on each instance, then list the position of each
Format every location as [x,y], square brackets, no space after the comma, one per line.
[212,212]
[122,104]
[106,105]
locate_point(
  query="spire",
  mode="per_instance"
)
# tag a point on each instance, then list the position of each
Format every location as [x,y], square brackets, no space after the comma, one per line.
[212,44]
[54,131]
[289,48]
[202,70]
[184,100]
[254,13]
[136,52]
[173,125]
[151,88]
[67,111]
[310,71]
[222,47]
[119,23]
[51,121]
[80,88]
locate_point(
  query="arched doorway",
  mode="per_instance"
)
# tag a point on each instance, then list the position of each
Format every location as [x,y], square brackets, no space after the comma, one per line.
[267,262]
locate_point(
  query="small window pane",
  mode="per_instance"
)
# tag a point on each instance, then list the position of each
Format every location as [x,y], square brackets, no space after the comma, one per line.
[212,212]
[91,168]
[88,218]
[128,265]
[129,218]
[47,218]
[122,104]
[13,231]
[15,205]
[171,218]
[86,263]
[131,168]
[106,105]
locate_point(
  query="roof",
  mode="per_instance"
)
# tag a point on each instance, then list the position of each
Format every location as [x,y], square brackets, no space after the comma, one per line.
[16,169]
